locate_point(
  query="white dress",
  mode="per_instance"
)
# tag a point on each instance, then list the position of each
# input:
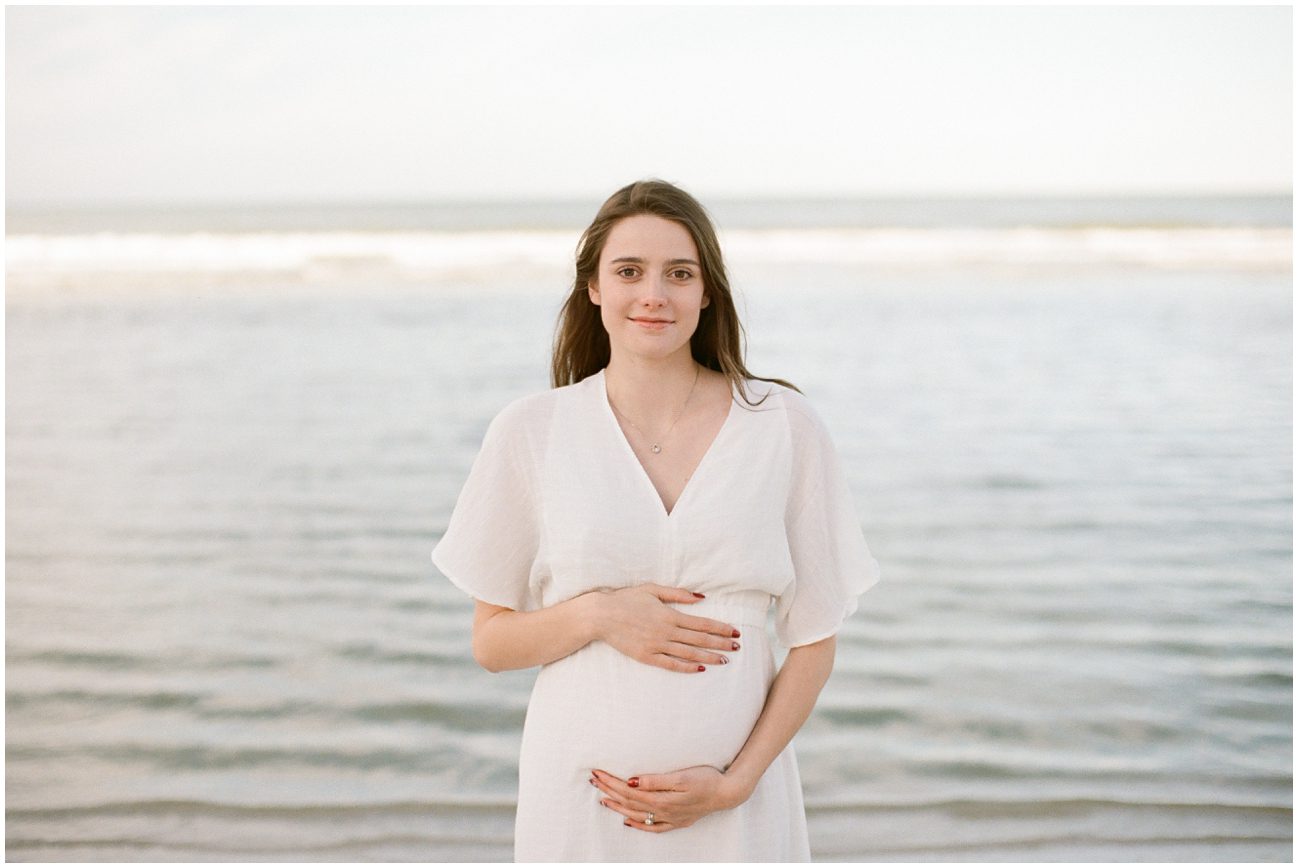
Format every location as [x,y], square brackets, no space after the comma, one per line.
[557,504]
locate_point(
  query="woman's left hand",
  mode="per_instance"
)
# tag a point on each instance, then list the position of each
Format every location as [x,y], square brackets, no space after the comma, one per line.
[676,799]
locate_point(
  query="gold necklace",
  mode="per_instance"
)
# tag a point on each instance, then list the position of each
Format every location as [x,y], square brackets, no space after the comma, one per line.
[653,445]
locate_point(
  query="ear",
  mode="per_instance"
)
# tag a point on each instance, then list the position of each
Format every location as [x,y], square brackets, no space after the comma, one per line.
[592,289]
[707,300]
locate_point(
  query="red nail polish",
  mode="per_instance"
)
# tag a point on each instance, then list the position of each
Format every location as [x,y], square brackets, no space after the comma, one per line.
[697,594]
[701,668]
[633,782]
[734,646]
[734,634]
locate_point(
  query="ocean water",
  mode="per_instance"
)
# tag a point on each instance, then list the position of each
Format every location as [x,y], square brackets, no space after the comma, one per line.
[233,438]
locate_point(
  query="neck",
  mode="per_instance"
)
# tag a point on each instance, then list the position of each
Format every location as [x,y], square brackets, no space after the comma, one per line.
[652,391]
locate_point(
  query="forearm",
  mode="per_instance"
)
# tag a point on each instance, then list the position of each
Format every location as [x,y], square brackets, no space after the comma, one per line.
[505,639]
[789,703]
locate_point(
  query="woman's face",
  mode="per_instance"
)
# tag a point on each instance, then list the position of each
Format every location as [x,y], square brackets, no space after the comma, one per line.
[649,270]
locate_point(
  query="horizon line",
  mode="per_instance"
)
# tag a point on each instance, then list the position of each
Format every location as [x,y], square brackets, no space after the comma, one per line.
[490,200]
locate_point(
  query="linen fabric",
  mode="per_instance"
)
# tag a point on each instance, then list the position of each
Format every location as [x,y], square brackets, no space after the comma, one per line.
[557,504]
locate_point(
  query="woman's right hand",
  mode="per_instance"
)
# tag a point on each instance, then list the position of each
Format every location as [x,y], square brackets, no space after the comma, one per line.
[637,622]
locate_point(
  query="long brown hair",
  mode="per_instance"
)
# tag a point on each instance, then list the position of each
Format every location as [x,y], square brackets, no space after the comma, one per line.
[581,343]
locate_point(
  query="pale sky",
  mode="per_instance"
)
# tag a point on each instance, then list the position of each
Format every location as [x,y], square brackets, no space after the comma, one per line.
[261,104]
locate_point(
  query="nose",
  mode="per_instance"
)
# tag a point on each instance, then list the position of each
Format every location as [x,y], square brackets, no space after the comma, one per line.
[654,291]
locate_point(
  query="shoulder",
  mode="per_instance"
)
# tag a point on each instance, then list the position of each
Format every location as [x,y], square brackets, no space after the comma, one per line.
[524,409]
[803,420]
[526,415]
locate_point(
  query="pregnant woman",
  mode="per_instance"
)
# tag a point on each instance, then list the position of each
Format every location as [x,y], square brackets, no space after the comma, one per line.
[629,531]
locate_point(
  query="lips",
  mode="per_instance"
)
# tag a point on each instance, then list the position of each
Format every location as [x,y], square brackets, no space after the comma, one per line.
[647,319]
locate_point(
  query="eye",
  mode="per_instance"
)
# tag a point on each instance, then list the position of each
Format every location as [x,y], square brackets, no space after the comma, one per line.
[683,274]
[624,269]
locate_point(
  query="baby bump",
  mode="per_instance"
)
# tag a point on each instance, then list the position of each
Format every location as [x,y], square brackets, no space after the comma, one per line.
[598,708]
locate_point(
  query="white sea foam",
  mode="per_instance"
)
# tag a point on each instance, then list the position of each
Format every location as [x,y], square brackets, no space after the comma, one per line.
[303,252]
[425,253]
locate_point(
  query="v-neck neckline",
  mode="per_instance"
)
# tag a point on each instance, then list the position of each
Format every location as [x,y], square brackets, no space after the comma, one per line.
[602,388]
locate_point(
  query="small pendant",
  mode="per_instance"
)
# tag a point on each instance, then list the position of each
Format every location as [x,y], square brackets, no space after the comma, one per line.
[656,448]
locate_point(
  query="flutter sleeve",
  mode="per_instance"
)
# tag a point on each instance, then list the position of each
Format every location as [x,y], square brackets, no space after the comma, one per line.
[492,539]
[831,561]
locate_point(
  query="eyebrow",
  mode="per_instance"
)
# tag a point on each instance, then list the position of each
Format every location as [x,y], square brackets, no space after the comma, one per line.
[640,261]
